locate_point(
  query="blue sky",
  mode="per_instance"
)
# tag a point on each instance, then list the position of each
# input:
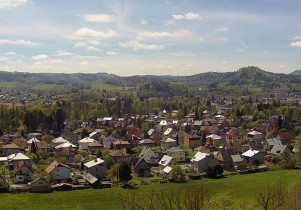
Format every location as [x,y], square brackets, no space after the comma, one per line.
[161,37]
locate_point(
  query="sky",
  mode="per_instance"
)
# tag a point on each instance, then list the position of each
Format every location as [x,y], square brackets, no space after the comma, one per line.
[149,37]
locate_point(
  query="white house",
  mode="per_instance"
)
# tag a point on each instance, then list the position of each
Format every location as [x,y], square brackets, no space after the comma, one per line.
[57,141]
[167,161]
[58,170]
[65,145]
[83,143]
[96,167]
[15,159]
[251,155]
[201,161]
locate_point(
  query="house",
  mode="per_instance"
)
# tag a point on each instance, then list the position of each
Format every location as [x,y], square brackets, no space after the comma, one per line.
[237,161]
[39,185]
[10,149]
[192,141]
[233,146]
[57,141]
[40,146]
[94,135]
[169,132]
[202,149]
[96,167]
[213,140]
[94,147]
[147,142]
[34,135]
[65,145]
[30,141]
[201,161]
[140,166]
[119,156]
[255,135]
[163,125]
[151,132]
[68,153]
[177,153]
[234,136]
[224,156]
[149,156]
[92,180]
[23,173]
[166,171]
[167,161]
[70,136]
[79,131]
[279,149]
[120,144]
[83,143]
[253,155]
[168,143]
[272,142]
[156,138]
[131,131]
[15,159]
[107,142]
[59,171]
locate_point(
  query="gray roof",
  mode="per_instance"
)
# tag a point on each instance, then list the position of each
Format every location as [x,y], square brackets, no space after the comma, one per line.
[236,158]
[278,149]
[175,149]
[272,142]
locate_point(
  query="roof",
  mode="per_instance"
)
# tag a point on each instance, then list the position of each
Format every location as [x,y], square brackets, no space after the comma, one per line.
[175,149]
[59,140]
[214,136]
[11,146]
[272,142]
[20,165]
[168,131]
[145,151]
[18,156]
[167,169]
[253,133]
[64,145]
[86,140]
[277,149]
[94,162]
[3,159]
[120,142]
[164,122]
[169,140]
[250,153]
[119,153]
[199,156]
[165,160]
[146,141]
[36,180]
[33,140]
[236,158]
[95,144]
[151,131]
[90,178]
[54,165]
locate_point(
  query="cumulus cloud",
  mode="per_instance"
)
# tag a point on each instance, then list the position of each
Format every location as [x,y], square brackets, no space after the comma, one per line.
[296,44]
[139,46]
[159,35]
[143,22]
[10,53]
[188,16]
[17,42]
[222,29]
[40,57]
[4,59]
[94,42]
[85,33]
[112,53]
[92,48]
[6,4]
[80,44]
[100,18]
[63,53]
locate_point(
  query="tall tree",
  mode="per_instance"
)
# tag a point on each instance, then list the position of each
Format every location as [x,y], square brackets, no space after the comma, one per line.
[124,172]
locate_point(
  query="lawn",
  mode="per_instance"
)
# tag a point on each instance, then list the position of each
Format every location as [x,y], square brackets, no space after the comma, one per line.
[244,188]
[43,86]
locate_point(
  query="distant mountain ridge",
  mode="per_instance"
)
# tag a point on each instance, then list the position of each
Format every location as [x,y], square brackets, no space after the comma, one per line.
[296,72]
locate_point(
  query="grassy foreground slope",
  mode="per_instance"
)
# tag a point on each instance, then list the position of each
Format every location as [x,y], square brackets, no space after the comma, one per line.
[244,188]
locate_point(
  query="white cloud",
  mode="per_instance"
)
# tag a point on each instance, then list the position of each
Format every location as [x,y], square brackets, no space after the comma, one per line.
[4,59]
[63,53]
[100,18]
[159,35]
[10,53]
[84,63]
[6,4]
[296,44]
[297,37]
[223,39]
[17,42]
[222,29]
[94,42]
[183,54]
[92,48]
[188,16]
[143,22]
[40,57]
[80,44]
[112,53]
[139,46]
[85,33]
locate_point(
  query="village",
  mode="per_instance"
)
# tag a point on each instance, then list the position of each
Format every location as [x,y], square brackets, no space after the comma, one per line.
[171,149]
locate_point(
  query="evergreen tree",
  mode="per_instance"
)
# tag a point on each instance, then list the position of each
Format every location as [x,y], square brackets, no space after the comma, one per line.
[279,121]
[124,172]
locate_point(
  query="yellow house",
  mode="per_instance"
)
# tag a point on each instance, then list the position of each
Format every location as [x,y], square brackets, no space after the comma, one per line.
[177,153]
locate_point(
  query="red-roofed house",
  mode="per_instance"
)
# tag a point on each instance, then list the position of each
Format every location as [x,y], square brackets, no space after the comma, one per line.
[10,149]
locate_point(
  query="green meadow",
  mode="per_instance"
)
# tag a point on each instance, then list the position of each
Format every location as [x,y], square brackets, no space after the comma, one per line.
[243,188]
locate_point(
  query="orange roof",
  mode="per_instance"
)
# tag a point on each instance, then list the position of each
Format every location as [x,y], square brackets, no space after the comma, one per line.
[95,144]
[54,165]
[11,146]
[119,153]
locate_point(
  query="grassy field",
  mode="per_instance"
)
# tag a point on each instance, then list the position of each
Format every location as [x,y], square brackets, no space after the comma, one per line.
[43,86]
[102,86]
[244,188]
